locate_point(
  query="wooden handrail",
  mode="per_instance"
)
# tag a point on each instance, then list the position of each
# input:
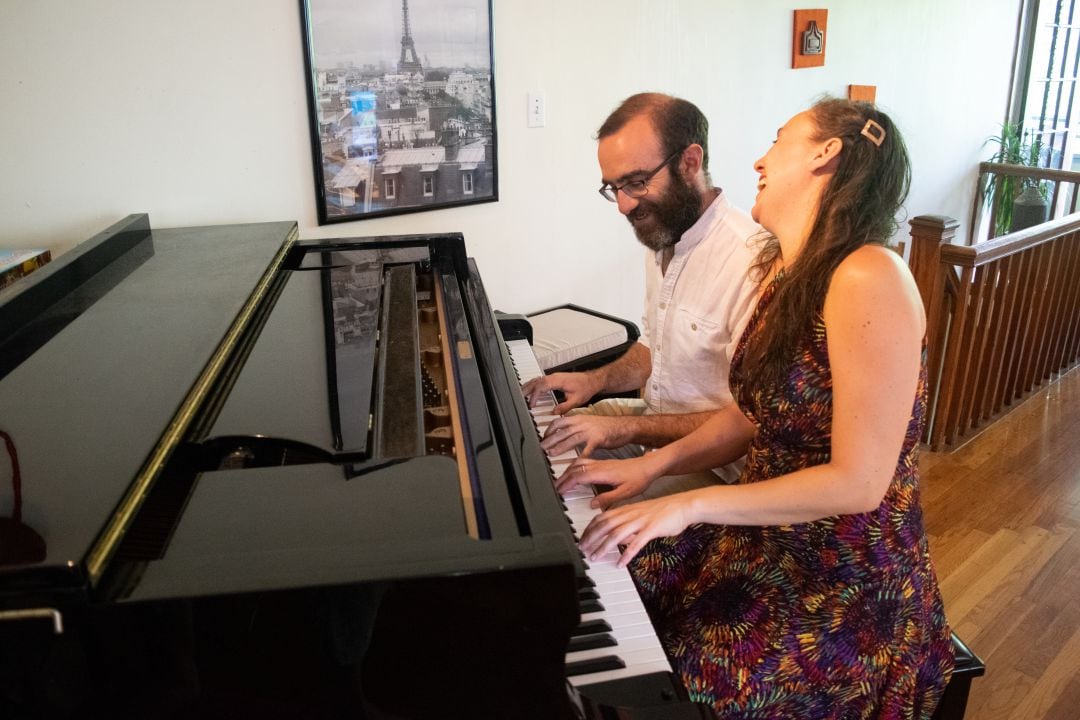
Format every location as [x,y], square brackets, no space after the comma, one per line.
[1003,316]
[1028,171]
[999,247]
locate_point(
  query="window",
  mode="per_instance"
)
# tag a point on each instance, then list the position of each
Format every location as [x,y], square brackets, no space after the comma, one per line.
[1045,100]
[466,182]
[390,185]
[429,185]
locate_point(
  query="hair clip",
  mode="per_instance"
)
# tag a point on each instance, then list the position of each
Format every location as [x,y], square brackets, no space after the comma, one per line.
[873,132]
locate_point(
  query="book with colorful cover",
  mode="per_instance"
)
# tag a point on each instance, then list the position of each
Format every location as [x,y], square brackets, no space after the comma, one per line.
[15,264]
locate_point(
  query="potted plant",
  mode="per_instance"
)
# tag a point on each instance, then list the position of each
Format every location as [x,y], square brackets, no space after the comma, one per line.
[1004,192]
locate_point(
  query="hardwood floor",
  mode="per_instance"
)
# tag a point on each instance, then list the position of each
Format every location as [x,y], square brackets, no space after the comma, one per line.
[1003,517]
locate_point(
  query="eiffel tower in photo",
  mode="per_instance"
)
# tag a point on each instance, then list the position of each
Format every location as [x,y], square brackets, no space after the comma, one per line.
[407,48]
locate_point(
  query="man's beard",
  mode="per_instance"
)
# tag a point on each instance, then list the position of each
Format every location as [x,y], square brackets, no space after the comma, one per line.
[668,217]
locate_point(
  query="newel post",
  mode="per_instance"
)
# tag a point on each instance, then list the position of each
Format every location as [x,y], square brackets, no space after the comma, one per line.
[928,234]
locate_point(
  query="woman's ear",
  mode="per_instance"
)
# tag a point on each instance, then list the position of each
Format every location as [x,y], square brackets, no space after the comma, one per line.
[825,157]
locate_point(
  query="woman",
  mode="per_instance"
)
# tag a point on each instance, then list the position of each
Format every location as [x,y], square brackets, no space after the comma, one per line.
[806,590]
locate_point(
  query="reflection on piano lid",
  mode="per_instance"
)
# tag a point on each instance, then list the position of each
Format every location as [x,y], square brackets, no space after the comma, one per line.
[20,544]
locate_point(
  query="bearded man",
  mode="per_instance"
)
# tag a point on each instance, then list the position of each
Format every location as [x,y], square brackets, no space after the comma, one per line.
[653,154]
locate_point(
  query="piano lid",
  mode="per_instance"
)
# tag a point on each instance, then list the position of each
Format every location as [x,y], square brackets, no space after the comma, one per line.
[126,410]
[342,510]
[85,408]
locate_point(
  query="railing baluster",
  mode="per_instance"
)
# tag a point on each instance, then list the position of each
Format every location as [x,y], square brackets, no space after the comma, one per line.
[1046,315]
[1009,331]
[1022,344]
[1069,354]
[952,380]
[1055,290]
[1058,288]
[981,323]
[1070,286]
[1037,326]
[995,336]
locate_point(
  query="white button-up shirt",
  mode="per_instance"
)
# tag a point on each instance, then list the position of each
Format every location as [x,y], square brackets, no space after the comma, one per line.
[695,312]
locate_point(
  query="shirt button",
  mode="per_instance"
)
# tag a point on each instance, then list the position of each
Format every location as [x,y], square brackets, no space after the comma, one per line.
[693,326]
[663,305]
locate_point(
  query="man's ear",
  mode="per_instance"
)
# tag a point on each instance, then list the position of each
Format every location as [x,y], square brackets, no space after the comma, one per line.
[691,160]
[825,157]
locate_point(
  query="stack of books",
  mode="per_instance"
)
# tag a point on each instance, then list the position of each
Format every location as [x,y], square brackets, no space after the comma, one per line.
[15,264]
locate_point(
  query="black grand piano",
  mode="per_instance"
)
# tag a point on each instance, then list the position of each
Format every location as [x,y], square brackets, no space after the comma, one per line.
[253,476]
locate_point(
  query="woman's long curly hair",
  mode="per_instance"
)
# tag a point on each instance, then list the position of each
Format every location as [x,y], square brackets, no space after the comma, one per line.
[858,207]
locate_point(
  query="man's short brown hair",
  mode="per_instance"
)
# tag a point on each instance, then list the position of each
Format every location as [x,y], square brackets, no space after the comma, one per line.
[678,123]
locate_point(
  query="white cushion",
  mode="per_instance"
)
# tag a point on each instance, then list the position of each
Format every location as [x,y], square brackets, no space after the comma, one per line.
[564,335]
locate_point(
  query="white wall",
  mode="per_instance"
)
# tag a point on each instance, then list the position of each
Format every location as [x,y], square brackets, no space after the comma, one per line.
[195,113]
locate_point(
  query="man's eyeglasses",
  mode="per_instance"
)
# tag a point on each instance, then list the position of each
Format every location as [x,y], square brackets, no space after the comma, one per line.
[638,187]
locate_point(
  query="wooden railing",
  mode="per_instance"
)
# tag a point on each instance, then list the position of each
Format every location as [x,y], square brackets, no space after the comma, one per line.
[1003,316]
[1063,195]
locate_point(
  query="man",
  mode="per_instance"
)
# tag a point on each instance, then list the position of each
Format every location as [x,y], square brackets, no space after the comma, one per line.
[653,154]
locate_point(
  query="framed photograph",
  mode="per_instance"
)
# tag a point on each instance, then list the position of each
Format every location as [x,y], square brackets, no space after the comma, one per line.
[401,103]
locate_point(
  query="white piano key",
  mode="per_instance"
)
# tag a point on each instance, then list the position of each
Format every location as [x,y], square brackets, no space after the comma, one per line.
[630,671]
[626,593]
[630,650]
[626,615]
[575,493]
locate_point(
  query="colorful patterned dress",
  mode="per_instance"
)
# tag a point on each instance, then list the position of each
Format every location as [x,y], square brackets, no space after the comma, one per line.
[837,618]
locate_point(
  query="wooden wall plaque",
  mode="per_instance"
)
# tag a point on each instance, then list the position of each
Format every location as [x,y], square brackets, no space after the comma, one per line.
[802,23]
[862,93]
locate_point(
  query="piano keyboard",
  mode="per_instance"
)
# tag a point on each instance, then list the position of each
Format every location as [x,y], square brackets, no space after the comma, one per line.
[615,638]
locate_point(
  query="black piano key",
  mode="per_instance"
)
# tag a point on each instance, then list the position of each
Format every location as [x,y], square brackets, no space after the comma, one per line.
[595,665]
[591,627]
[591,606]
[590,642]
[585,581]
[588,594]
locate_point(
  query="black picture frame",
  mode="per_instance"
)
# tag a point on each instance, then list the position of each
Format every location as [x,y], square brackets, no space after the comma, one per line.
[406,131]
